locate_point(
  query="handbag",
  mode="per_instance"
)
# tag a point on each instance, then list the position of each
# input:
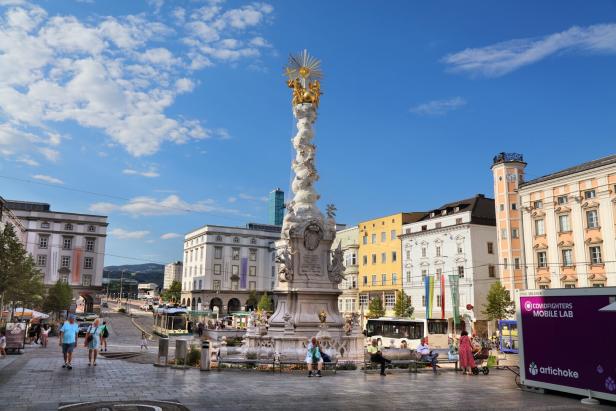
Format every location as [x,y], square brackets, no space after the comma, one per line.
[90,336]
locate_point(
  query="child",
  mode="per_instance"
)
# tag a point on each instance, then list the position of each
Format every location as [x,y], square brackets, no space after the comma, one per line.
[2,345]
[144,341]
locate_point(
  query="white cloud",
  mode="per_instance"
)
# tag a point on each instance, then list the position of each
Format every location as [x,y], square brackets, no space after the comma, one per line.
[123,234]
[151,173]
[249,197]
[502,58]
[28,161]
[169,236]
[149,206]
[232,199]
[47,179]
[438,107]
[112,74]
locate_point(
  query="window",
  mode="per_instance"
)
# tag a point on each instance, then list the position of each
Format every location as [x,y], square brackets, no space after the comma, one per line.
[88,263]
[383,279]
[408,254]
[373,279]
[373,258]
[200,284]
[383,237]
[373,238]
[437,225]
[562,200]
[490,248]
[589,194]
[236,240]
[543,287]
[252,256]
[218,238]
[45,224]
[252,270]
[438,251]
[67,243]
[505,263]
[383,258]
[253,241]
[392,235]
[363,300]
[569,285]
[235,253]
[394,279]
[516,263]
[365,240]
[235,270]
[252,285]
[65,261]
[68,227]
[41,260]
[460,271]
[423,300]
[86,280]
[43,240]
[502,207]
[438,300]
[458,221]
[503,233]
[514,206]
[598,285]
[491,271]
[365,280]
[90,244]
[216,285]
[538,204]
[592,219]
[394,256]
[595,254]
[408,277]
[567,258]
[542,259]
[439,273]
[512,177]
[424,228]
[365,259]
[460,250]
[539,227]
[514,233]
[563,223]
[64,278]
[390,300]
[423,251]
[424,274]
[91,229]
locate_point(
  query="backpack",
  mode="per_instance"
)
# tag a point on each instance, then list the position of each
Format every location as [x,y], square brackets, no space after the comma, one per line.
[105,332]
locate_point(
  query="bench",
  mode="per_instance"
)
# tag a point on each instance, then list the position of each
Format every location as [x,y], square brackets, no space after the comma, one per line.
[443,358]
[405,357]
[282,361]
[245,361]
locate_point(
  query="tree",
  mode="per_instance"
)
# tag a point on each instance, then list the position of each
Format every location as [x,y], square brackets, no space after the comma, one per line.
[174,293]
[252,300]
[58,298]
[375,308]
[20,280]
[499,304]
[265,304]
[403,307]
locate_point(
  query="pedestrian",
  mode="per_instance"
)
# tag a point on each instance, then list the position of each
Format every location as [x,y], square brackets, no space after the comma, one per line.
[2,344]
[200,329]
[376,356]
[93,338]
[465,350]
[104,336]
[45,335]
[68,340]
[144,341]
[313,356]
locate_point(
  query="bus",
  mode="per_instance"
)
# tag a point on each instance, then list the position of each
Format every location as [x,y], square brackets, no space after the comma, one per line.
[400,333]
[170,321]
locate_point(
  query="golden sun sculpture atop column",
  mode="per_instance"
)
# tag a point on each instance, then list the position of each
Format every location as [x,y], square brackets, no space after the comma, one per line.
[303,72]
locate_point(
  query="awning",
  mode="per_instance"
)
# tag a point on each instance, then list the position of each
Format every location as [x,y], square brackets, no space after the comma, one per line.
[26,312]
[610,307]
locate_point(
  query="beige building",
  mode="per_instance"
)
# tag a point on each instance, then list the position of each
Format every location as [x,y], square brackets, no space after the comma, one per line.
[348,240]
[173,272]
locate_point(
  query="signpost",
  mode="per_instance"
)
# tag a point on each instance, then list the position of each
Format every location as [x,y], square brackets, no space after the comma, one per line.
[553,325]
[15,336]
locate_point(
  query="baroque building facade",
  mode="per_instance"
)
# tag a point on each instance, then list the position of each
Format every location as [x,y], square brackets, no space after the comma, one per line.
[348,241]
[222,265]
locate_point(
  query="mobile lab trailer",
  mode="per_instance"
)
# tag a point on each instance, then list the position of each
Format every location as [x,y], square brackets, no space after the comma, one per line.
[567,340]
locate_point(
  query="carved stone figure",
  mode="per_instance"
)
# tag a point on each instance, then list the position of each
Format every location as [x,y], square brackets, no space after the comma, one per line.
[285,259]
[312,237]
[331,211]
[336,267]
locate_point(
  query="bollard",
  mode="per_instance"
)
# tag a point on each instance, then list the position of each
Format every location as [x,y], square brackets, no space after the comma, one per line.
[181,351]
[205,355]
[163,352]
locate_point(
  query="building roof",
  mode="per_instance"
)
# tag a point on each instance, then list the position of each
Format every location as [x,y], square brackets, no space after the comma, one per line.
[32,206]
[604,161]
[481,208]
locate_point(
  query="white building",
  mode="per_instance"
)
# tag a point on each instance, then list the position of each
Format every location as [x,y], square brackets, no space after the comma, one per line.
[348,239]
[147,290]
[223,264]
[173,272]
[65,246]
[456,239]
[8,217]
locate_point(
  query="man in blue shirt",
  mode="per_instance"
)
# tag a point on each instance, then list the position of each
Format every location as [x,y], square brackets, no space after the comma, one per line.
[68,340]
[427,355]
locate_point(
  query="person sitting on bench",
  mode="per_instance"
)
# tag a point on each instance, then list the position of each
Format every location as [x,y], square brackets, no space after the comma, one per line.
[377,356]
[313,357]
[427,355]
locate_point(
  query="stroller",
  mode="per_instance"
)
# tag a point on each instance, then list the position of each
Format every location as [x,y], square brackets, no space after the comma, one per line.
[481,358]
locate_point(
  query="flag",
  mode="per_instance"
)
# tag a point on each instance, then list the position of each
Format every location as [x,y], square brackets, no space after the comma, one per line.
[442,296]
[243,269]
[427,294]
[454,281]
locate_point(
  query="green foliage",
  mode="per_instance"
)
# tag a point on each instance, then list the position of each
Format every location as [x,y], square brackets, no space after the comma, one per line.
[194,356]
[252,300]
[234,341]
[499,304]
[265,304]
[347,366]
[251,356]
[20,280]
[403,307]
[122,310]
[58,298]
[375,308]
[174,292]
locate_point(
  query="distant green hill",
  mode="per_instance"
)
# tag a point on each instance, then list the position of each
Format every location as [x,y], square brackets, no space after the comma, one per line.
[143,273]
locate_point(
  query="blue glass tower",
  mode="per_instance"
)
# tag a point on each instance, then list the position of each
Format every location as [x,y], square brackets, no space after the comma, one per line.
[275,209]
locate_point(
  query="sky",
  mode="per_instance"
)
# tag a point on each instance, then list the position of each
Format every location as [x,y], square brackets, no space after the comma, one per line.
[169,115]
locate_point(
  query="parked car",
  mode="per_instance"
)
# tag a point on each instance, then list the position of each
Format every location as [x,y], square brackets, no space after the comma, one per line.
[83,328]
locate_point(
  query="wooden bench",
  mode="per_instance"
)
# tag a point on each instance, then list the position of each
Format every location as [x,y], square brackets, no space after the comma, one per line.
[412,362]
[333,365]
[442,359]
[244,361]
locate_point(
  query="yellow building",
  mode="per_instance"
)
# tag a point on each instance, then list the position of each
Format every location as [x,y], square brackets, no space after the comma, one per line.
[380,258]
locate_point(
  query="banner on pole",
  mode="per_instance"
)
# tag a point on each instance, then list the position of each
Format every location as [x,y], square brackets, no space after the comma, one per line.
[454,285]
[427,294]
[442,296]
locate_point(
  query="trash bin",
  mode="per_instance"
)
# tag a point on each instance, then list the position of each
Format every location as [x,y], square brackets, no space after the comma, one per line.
[163,351]
[205,355]
[181,351]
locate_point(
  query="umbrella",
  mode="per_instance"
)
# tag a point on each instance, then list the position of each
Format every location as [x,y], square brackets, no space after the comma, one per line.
[27,312]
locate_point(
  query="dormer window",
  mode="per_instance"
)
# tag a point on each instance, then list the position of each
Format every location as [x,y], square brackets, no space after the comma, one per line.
[456,209]
[432,214]
[236,239]
[443,212]
[68,227]
[538,204]
[218,238]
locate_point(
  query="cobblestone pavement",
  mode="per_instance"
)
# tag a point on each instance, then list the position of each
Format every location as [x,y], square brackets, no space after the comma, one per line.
[36,381]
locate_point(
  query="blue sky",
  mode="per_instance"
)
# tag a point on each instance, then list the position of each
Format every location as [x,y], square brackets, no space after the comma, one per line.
[166,106]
